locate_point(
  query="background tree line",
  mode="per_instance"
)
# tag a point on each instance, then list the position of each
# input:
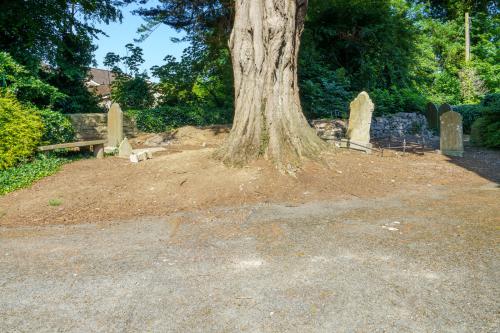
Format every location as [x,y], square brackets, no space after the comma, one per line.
[403,52]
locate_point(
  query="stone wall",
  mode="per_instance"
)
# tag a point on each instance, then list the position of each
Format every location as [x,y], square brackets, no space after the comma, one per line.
[93,126]
[397,126]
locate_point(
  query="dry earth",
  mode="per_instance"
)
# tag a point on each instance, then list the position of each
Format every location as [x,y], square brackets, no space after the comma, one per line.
[180,243]
[186,178]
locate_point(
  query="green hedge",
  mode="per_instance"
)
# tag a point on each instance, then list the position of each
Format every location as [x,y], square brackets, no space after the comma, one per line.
[394,100]
[56,127]
[169,117]
[21,131]
[470,113]
[486,129]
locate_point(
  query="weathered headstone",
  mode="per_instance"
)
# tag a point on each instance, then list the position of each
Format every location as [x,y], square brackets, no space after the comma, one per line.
[432,115]
[360,119]
[125,149]
[451,139]
[115,125]
[444,108]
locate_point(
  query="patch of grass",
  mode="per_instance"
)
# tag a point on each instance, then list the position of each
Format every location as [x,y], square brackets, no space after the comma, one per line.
[25,174]
[55,202]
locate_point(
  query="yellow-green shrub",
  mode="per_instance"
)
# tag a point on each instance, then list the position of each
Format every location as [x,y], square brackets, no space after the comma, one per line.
[20,131]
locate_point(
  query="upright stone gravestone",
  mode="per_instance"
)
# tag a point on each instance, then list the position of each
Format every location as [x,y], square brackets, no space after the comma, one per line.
[360,119]
[451,138]
[432,115]
[442,110]
[115,125]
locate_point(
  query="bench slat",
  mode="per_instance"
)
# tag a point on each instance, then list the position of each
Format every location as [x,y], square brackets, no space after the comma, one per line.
[72,145]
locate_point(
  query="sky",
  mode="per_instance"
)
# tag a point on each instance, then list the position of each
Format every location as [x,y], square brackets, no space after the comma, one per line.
[155,47]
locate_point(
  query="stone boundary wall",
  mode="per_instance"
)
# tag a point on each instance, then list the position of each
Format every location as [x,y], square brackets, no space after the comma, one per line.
[93,126]
[398,125]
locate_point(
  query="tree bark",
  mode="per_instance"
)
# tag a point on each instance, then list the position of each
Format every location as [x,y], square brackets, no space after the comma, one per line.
[268,119]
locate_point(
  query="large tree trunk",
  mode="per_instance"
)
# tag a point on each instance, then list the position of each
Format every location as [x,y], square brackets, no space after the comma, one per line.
[268,117]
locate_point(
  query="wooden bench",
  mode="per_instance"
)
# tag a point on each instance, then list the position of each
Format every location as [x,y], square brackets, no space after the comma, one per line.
[96,145]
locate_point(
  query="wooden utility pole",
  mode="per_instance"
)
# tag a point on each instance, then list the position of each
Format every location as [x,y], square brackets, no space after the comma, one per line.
[467,38]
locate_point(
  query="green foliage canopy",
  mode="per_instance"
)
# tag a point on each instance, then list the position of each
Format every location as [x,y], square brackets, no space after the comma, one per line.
[59,35]
[131,89]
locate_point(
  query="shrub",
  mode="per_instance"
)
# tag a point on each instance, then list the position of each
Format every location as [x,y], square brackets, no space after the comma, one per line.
[148,120]
[170,117]
[470,113]
[477,132]
[56,127]
[132,93]
[486,129]
[486,133]
[492,100]
[324,93]
[394,100]
[20,131]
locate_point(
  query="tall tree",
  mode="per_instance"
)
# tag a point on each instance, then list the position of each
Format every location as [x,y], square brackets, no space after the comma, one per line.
[58,33]
[264,45]
[130,88]
[268,119]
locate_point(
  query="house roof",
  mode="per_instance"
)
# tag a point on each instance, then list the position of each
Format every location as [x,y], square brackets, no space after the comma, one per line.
[99,81]
[101,76]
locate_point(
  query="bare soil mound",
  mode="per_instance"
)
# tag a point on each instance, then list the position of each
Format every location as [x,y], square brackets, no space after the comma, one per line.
[188,136]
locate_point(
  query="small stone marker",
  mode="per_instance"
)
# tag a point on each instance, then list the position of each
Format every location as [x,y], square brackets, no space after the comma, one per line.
[138,157]
[451,139]
[360,119]
[432,115]
[125,149]
[115,125]
[99,151]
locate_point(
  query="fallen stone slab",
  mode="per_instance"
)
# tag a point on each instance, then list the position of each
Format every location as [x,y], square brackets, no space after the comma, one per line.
[140,156]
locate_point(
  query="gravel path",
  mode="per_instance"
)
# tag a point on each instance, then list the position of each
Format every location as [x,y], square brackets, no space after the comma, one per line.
[419,262]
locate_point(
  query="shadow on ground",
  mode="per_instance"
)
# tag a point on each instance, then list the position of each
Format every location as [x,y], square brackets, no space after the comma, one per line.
[484,162]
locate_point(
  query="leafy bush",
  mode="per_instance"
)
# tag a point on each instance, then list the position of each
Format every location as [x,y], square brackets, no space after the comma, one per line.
[324,93]
[25,174]
[470,113]
[394,100]
[132,93]
[20,131]
[170,117]
[486,129]
[56,127]
[491,100]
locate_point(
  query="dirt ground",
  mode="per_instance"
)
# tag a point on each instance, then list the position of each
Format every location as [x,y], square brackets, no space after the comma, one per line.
[180,243]
[186,178]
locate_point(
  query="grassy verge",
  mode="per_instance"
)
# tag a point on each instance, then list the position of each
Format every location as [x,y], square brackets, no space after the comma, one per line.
[26,174]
